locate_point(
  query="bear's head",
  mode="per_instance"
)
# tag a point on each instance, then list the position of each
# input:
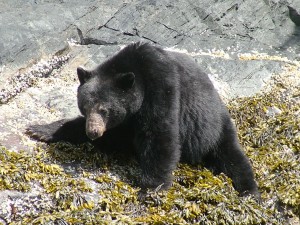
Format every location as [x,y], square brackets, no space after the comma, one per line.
[106,99]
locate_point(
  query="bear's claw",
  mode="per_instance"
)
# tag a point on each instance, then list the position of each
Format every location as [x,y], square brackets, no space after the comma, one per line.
[40,133]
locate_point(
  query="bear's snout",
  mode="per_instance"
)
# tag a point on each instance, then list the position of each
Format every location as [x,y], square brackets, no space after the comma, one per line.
[95,127]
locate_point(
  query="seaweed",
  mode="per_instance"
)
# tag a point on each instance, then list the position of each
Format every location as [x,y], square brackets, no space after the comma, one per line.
[80,185]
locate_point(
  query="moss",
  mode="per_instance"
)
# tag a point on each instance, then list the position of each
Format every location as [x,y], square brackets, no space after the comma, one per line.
[197,196]
[87,187]
[273,142]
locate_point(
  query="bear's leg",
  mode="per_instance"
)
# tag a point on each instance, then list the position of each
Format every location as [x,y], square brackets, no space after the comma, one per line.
[158,153]
[231,160]
[72,131]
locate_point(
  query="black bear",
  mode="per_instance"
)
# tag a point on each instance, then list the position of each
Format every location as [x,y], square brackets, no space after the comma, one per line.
[161,104]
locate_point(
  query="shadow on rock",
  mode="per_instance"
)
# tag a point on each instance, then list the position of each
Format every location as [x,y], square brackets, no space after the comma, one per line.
[96,157]
[292,41]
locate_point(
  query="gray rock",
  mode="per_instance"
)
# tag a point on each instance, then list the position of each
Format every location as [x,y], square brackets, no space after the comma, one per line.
[244,77]
[273,111]
[37,29]
[30,31]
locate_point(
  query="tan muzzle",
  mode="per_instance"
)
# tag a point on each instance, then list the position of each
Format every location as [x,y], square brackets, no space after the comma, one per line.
[95,126]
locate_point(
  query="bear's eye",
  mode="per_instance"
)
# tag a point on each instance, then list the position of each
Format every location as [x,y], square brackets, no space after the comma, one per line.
[103,112]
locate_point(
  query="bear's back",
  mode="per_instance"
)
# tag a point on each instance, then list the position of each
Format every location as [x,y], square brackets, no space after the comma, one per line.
[201,109]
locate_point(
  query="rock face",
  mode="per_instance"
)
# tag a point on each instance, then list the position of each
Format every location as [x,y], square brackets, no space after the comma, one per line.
[35,30]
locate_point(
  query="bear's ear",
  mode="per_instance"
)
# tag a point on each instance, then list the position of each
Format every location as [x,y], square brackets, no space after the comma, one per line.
[83,75]
[126,80]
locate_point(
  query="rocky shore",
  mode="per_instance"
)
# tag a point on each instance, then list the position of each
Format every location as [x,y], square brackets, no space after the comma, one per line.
[249,49]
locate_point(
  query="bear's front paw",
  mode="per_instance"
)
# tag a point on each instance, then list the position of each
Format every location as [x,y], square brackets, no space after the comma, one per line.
[254,192]
[155,183]
[41,133]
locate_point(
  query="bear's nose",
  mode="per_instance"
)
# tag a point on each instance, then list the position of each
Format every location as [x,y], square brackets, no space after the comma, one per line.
[94,131]
[93,134]
[95,126]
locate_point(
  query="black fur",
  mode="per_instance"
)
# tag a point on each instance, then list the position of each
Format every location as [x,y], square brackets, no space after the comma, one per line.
[161,103]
